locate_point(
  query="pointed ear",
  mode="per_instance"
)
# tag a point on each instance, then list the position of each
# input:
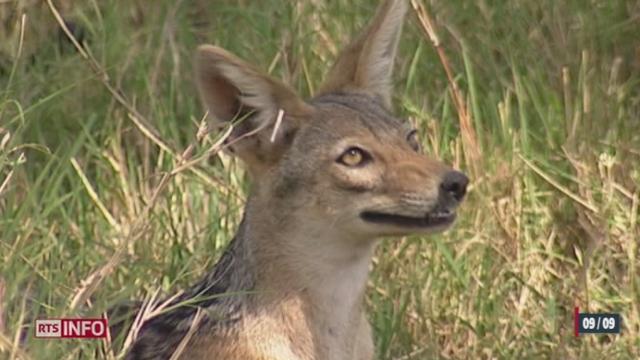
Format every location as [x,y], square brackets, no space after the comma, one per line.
[367,63]
[235,92]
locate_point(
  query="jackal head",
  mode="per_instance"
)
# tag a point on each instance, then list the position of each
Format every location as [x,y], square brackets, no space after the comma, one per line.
[341,159]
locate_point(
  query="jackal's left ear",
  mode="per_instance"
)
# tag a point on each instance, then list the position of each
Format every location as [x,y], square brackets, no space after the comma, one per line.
[366,64]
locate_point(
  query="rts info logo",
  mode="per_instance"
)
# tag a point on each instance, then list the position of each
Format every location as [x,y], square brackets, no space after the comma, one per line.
[71,328]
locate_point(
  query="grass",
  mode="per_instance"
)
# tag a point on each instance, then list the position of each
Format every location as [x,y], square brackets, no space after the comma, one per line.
[551,221]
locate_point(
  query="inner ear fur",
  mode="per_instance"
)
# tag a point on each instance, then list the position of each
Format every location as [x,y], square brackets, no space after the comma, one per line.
[366,64]
[234,91]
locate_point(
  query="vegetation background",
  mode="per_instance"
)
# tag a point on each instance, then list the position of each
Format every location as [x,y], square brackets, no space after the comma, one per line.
[100,202]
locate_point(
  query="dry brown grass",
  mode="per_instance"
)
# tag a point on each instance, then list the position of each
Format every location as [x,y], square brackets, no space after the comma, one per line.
[538,100]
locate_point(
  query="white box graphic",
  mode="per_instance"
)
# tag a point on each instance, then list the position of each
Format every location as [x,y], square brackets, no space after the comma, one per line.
[48,328]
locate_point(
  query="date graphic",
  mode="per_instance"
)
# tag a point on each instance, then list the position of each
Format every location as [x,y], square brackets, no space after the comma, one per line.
[596,323]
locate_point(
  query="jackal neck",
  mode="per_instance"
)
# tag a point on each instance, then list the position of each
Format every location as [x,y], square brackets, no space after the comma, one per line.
[289,256]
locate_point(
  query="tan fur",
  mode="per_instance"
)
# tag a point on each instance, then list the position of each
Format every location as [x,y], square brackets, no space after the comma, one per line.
[294,277]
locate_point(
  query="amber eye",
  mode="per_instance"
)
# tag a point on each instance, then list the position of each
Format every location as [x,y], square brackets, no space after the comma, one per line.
[354,156]
[413,140]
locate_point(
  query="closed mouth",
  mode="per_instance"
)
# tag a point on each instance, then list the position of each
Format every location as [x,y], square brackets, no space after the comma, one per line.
[433,218]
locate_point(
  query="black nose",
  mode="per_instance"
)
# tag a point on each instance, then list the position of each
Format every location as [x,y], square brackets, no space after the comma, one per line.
[455,184]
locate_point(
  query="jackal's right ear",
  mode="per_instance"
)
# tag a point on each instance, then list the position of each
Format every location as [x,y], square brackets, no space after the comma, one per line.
[366,64]
[232,90]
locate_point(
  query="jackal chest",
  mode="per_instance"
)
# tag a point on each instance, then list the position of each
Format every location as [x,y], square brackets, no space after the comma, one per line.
[292,334]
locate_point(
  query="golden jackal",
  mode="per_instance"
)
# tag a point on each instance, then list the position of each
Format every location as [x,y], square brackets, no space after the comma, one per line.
[335,174]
